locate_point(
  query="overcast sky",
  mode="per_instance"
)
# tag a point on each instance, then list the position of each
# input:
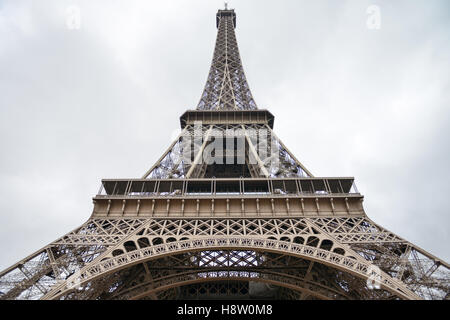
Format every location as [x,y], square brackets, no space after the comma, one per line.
[103,101]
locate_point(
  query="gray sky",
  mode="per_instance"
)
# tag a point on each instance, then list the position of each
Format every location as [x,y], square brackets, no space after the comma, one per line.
[103,101]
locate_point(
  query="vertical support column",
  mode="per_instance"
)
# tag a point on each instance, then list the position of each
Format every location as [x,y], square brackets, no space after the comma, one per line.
[108,208]
[255,154]
[199,157]
[138,206]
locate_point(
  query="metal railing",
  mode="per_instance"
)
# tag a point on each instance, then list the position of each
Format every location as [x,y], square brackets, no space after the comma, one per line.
[226,187]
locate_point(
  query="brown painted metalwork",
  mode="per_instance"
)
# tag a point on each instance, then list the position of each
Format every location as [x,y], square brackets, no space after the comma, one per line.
[188,229]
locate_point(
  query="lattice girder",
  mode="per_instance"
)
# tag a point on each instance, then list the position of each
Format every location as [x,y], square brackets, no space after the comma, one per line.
[226,87]
[76,250]
[172,272]
[210,211]
[254,145]
[316,246]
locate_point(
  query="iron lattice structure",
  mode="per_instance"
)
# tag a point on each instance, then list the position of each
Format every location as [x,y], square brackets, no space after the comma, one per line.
[253,223]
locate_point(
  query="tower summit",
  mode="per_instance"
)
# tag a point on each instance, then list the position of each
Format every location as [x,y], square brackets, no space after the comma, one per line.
[226,87]
[228,212]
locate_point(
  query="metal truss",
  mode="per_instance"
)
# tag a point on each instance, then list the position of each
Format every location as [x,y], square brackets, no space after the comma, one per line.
[226,87]
[254,223]
[262,153]
[349,246]
[251,274]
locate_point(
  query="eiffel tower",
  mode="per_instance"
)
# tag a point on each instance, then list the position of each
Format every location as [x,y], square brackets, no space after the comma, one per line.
[228,212]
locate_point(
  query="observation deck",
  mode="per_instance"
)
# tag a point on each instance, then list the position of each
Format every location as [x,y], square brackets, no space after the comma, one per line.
[228,197]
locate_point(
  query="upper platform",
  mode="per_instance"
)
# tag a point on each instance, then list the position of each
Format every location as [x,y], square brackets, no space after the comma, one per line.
[226,13]
[208,117]
[226,198]
[229,187]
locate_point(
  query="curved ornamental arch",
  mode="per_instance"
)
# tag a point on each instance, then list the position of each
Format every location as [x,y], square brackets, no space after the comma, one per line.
[352,265]
[258,199]
[299,285]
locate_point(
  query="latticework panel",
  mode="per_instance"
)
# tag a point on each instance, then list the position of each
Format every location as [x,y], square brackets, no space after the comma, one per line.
[34,276]
[226,87]
[205,151]
[230,275]
[220,243]
[117,243]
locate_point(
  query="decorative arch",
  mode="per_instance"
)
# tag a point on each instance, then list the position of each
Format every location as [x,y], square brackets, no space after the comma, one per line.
[353,265]
[308,287]
[163,277]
